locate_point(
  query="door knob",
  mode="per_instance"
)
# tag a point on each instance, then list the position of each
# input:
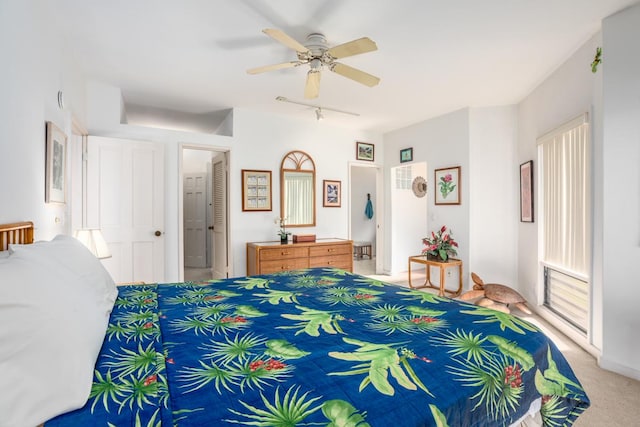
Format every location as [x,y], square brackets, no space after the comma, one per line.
[210,227]
[158,233]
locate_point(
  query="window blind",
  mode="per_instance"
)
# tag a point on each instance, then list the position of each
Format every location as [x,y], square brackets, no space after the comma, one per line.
[564,164]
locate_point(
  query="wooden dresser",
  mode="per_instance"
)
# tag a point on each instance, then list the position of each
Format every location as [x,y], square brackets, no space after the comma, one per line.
[271,257]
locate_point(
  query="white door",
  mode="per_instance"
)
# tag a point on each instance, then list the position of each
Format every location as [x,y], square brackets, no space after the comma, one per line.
[195,220]
[125,198]
[219,258]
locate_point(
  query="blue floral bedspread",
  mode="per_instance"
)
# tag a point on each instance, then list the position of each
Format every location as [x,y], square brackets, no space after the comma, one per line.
[319,347]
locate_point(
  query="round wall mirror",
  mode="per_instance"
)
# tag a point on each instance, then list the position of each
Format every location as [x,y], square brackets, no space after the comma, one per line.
[297,189]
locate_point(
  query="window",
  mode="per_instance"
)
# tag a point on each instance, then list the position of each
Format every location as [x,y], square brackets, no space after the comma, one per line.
[565,220]
[404,176]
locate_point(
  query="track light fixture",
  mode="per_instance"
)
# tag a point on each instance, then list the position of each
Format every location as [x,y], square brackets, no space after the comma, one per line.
[317,108]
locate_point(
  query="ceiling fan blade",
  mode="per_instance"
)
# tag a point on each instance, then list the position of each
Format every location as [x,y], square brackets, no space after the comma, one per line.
[354,47]
[312,88]
[280,66]
[282,37]
[354,74]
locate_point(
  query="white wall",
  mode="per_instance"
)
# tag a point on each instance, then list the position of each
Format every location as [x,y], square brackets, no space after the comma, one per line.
[493,194]
[621,193]
[440,142]
[260,141]
[568,92]
[34,67]
[195,161]
[612,96]
[482,142]
[363,182]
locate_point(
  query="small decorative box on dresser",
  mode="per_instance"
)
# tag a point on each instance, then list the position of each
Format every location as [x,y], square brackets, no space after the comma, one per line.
[271,257]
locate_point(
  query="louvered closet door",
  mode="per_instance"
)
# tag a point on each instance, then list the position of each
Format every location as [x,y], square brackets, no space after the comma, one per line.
[219,254]
[125,198]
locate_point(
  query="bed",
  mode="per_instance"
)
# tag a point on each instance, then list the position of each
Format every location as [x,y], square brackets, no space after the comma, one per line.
[318,347]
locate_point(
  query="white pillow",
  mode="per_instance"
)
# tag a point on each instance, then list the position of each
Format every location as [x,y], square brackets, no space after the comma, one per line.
[54,311]
[68,254]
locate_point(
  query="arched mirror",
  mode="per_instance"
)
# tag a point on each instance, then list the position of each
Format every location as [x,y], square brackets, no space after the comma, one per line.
[297,189]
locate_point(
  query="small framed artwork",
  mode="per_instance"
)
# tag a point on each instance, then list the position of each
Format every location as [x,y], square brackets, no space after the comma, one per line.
[256,190]
[331,193]
[526,191]
[365,151]
[406,155]
[447,182]
[55,165]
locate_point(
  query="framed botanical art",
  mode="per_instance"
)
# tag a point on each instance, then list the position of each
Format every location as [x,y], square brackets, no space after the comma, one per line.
[447,181]
[331,193]
[365,151]
[55,165]
[256,190]
[406,155]
[526,191]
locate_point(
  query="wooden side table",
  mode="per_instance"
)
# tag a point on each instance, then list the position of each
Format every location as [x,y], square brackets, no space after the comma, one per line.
[361,248]
[443,265]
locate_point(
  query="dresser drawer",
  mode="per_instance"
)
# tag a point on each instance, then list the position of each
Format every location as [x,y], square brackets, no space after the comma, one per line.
[268,267]
[272,257]
[324,250]
[335,261]
[283,253]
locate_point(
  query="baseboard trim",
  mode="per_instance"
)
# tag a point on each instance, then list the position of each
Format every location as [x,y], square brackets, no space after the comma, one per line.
[612,366]
[570,332]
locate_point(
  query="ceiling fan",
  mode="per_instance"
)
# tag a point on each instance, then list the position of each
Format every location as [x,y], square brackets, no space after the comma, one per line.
[317,54]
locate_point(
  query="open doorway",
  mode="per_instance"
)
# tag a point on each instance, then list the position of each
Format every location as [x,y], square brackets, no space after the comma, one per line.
[365,218]
[204,213]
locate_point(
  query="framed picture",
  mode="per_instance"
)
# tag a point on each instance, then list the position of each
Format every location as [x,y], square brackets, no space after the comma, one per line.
[55,165]
[447,181]
[526,191]
[365,151]
[331,193]
[406,155]
[256,190]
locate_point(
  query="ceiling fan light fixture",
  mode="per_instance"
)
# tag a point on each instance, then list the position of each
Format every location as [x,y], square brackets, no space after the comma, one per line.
[315,64]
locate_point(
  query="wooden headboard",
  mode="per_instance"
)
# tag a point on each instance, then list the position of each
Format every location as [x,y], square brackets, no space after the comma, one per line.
[18,232]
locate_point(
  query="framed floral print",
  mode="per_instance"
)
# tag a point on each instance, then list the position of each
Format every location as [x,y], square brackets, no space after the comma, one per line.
[447,181]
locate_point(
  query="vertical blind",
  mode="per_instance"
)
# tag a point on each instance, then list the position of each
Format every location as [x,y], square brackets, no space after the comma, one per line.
[298,190]
[564,155]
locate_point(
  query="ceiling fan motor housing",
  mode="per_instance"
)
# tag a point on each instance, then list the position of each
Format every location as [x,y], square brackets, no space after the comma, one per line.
[317,44]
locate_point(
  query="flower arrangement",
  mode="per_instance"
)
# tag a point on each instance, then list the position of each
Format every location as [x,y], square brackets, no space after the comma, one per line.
[283,233]
[440,244]
[446,185]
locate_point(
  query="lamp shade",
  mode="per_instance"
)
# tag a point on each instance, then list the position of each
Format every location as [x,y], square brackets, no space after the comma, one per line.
[92,238]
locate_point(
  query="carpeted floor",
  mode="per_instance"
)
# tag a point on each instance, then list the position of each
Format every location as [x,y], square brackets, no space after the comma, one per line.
[615,399]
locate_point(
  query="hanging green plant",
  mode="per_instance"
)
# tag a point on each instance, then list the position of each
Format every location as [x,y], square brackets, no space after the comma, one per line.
[597,60]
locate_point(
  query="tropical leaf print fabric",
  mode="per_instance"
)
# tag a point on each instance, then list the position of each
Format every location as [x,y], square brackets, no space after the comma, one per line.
[320,347]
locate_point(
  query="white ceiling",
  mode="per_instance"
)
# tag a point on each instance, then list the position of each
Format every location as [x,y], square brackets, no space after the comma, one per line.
[433,56]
